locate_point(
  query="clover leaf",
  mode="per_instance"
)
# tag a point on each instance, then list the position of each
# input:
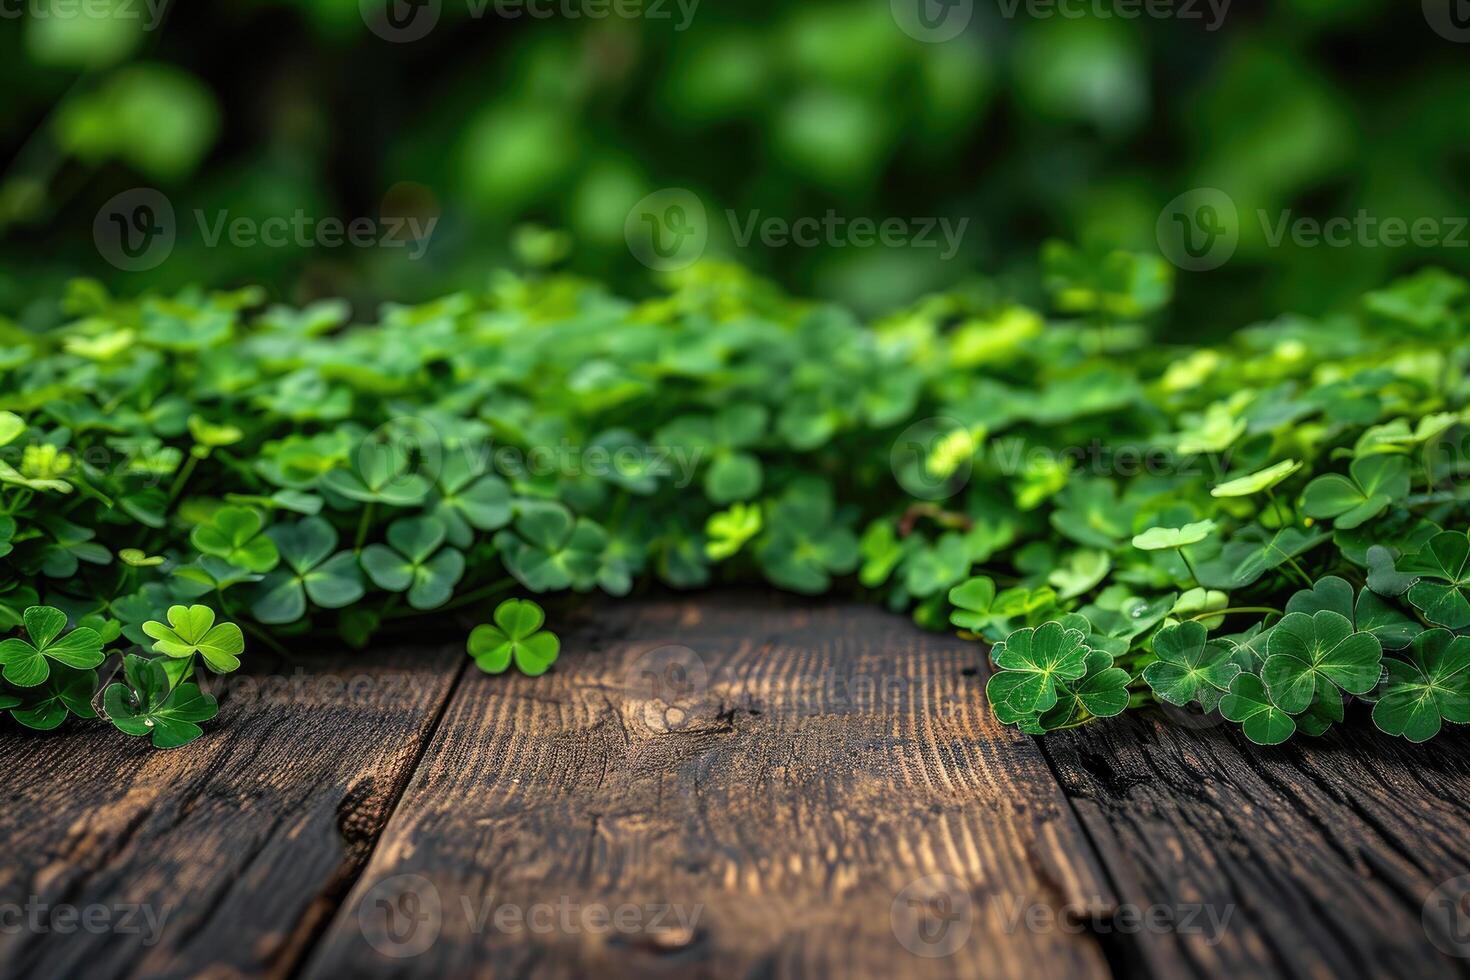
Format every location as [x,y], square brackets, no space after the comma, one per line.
[1431,687]
[1443,567]
[805,544]
[66,690]
[381,473]
[146,705]
[1260,480]
[1374,482]
[329,582]
[412,561]
[235,534]
[547,549]
[1370,614]
[1089,512]
[727,531]
[1173,538]
[1248,705]
[1101,692]
[1033,661]
[27,663]
[191,630]
[1190,667]
[1306,653]
[515,636]
[468,500]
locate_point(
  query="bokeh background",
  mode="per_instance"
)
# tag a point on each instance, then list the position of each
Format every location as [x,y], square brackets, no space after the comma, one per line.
[529,139]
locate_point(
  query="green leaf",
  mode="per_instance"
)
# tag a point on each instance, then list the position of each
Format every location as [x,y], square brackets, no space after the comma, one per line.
[1444,570]
[1257,482]
[1033,661]
[1431,687]
[1167,538]
[149,705]
[516,635]
[1247,704]
[191,630]
[1375,482]
[28,663]
[1189,666]
[1305,653]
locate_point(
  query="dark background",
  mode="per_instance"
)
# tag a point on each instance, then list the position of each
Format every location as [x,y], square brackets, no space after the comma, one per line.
[531,139]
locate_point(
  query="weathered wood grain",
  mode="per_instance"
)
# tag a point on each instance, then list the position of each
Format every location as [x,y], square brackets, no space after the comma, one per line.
[761,813]
[1318,855]
[223,858]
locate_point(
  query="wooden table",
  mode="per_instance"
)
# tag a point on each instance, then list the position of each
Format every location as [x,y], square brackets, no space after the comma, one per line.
[737,784]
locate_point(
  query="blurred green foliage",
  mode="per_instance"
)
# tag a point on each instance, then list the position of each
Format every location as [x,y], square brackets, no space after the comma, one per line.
[530,139]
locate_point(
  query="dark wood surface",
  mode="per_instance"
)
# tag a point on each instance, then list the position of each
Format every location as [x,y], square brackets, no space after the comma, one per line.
[722,785]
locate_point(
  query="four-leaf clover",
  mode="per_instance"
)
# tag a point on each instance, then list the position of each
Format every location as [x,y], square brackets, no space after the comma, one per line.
[234,534]
[1433,686]
[1190,667]
[1443,566]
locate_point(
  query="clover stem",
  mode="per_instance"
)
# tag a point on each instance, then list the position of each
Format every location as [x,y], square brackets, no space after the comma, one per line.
[1187,564]
[1275,505]
[362,526]
[182,478]
[480,593]
[1231,610]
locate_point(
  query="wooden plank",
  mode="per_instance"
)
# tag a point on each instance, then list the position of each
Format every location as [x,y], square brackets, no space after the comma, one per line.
[224,857]
[1319,855]
[773,793]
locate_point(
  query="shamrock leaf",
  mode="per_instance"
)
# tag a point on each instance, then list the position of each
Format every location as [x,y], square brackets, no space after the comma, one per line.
[412,561]
[727,531]
[1081,574]
[1033,662]
[381,474]
[547,550]
[1370,614]
[1101,692]
[329,582]
[1190,667]
[804,544]
[516,635]
[1089,512]
[27,663]
[1383,577]
[234,534]
[1247,704]
[146,705]
[192,630]
[1431,687]
[1173,538]
[1444,570]
[927,570]
[467,500]
[1374,483]
[1307,653]
[1252,553]
[66,690]
[1261,480]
